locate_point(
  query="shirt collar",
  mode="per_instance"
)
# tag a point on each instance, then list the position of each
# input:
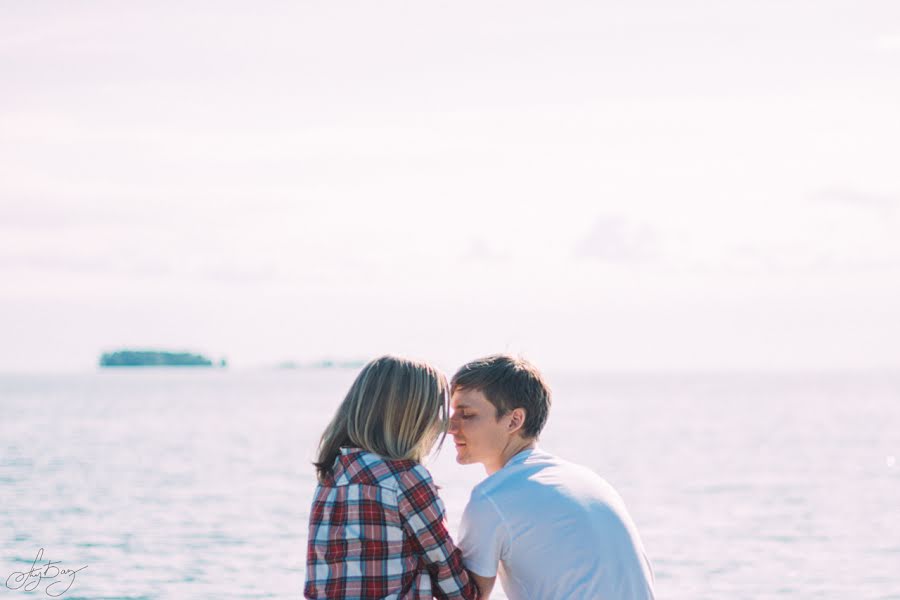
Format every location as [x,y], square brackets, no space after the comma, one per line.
[343,462]
[520,456]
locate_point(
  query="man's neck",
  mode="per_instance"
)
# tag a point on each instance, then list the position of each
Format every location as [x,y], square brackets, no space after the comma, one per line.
[515,445]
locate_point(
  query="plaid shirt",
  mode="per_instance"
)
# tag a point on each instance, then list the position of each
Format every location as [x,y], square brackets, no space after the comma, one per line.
[377,530]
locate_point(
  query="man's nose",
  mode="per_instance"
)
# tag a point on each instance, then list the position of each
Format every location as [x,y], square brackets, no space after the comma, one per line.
[454,428]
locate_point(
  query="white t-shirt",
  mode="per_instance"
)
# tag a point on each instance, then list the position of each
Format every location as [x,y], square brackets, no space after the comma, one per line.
[556,530]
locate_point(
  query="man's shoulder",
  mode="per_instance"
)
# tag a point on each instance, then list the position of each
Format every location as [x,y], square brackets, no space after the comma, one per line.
[565,468]
[514,476]
[544,474]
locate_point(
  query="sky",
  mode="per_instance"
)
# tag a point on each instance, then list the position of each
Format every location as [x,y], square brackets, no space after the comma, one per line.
[601,186]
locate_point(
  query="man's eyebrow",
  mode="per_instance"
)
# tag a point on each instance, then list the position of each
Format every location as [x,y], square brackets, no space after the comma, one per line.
[458,406]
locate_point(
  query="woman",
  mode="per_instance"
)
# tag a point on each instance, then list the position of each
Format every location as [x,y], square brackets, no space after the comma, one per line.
[377,527]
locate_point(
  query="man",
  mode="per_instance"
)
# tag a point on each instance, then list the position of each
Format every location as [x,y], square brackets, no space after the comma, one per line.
[548,527]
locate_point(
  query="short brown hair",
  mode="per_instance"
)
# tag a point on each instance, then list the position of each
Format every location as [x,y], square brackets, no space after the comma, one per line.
[508,382]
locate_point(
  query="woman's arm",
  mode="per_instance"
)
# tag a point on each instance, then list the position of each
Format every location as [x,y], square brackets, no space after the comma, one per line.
[424,520]
[485,584]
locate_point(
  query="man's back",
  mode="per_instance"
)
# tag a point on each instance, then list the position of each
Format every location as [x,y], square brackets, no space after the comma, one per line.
[557,530]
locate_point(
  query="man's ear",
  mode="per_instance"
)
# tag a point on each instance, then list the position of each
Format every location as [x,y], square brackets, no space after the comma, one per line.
[516,419]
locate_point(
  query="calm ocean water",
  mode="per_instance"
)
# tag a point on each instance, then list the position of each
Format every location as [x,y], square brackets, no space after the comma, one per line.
[196,484]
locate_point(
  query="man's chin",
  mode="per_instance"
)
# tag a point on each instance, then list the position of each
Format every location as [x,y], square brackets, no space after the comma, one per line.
[463,458]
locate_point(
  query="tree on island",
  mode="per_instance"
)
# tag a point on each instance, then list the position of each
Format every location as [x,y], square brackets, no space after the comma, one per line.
[153,358]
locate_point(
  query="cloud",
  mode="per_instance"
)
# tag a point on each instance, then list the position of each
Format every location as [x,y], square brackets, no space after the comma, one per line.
[882,204]
[237,273]
[616,239]
[888,42]
[842,230]
[69,263]
[29,213]
[480,250]
[151,263]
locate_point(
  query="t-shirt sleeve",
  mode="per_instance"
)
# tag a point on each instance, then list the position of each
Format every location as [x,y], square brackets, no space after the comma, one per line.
[483,536]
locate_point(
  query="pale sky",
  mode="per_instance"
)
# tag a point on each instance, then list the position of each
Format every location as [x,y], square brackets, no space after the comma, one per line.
[608,186]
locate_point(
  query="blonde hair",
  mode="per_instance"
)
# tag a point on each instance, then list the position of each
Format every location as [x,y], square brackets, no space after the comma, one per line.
[396,408]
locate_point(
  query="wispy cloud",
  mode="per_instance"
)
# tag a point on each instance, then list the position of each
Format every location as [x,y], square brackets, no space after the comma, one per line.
[888,42]
[842,229]
[879,203]
[481,250]
[30,213]
[617,239]
[118,271]
[58,263]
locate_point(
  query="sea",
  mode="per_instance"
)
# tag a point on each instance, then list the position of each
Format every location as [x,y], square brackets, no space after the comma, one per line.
[153,484]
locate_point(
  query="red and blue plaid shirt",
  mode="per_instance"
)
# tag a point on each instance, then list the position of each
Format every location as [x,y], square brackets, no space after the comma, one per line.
[377,529]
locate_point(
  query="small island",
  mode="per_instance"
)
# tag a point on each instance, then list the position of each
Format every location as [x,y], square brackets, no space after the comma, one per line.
[155,358]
